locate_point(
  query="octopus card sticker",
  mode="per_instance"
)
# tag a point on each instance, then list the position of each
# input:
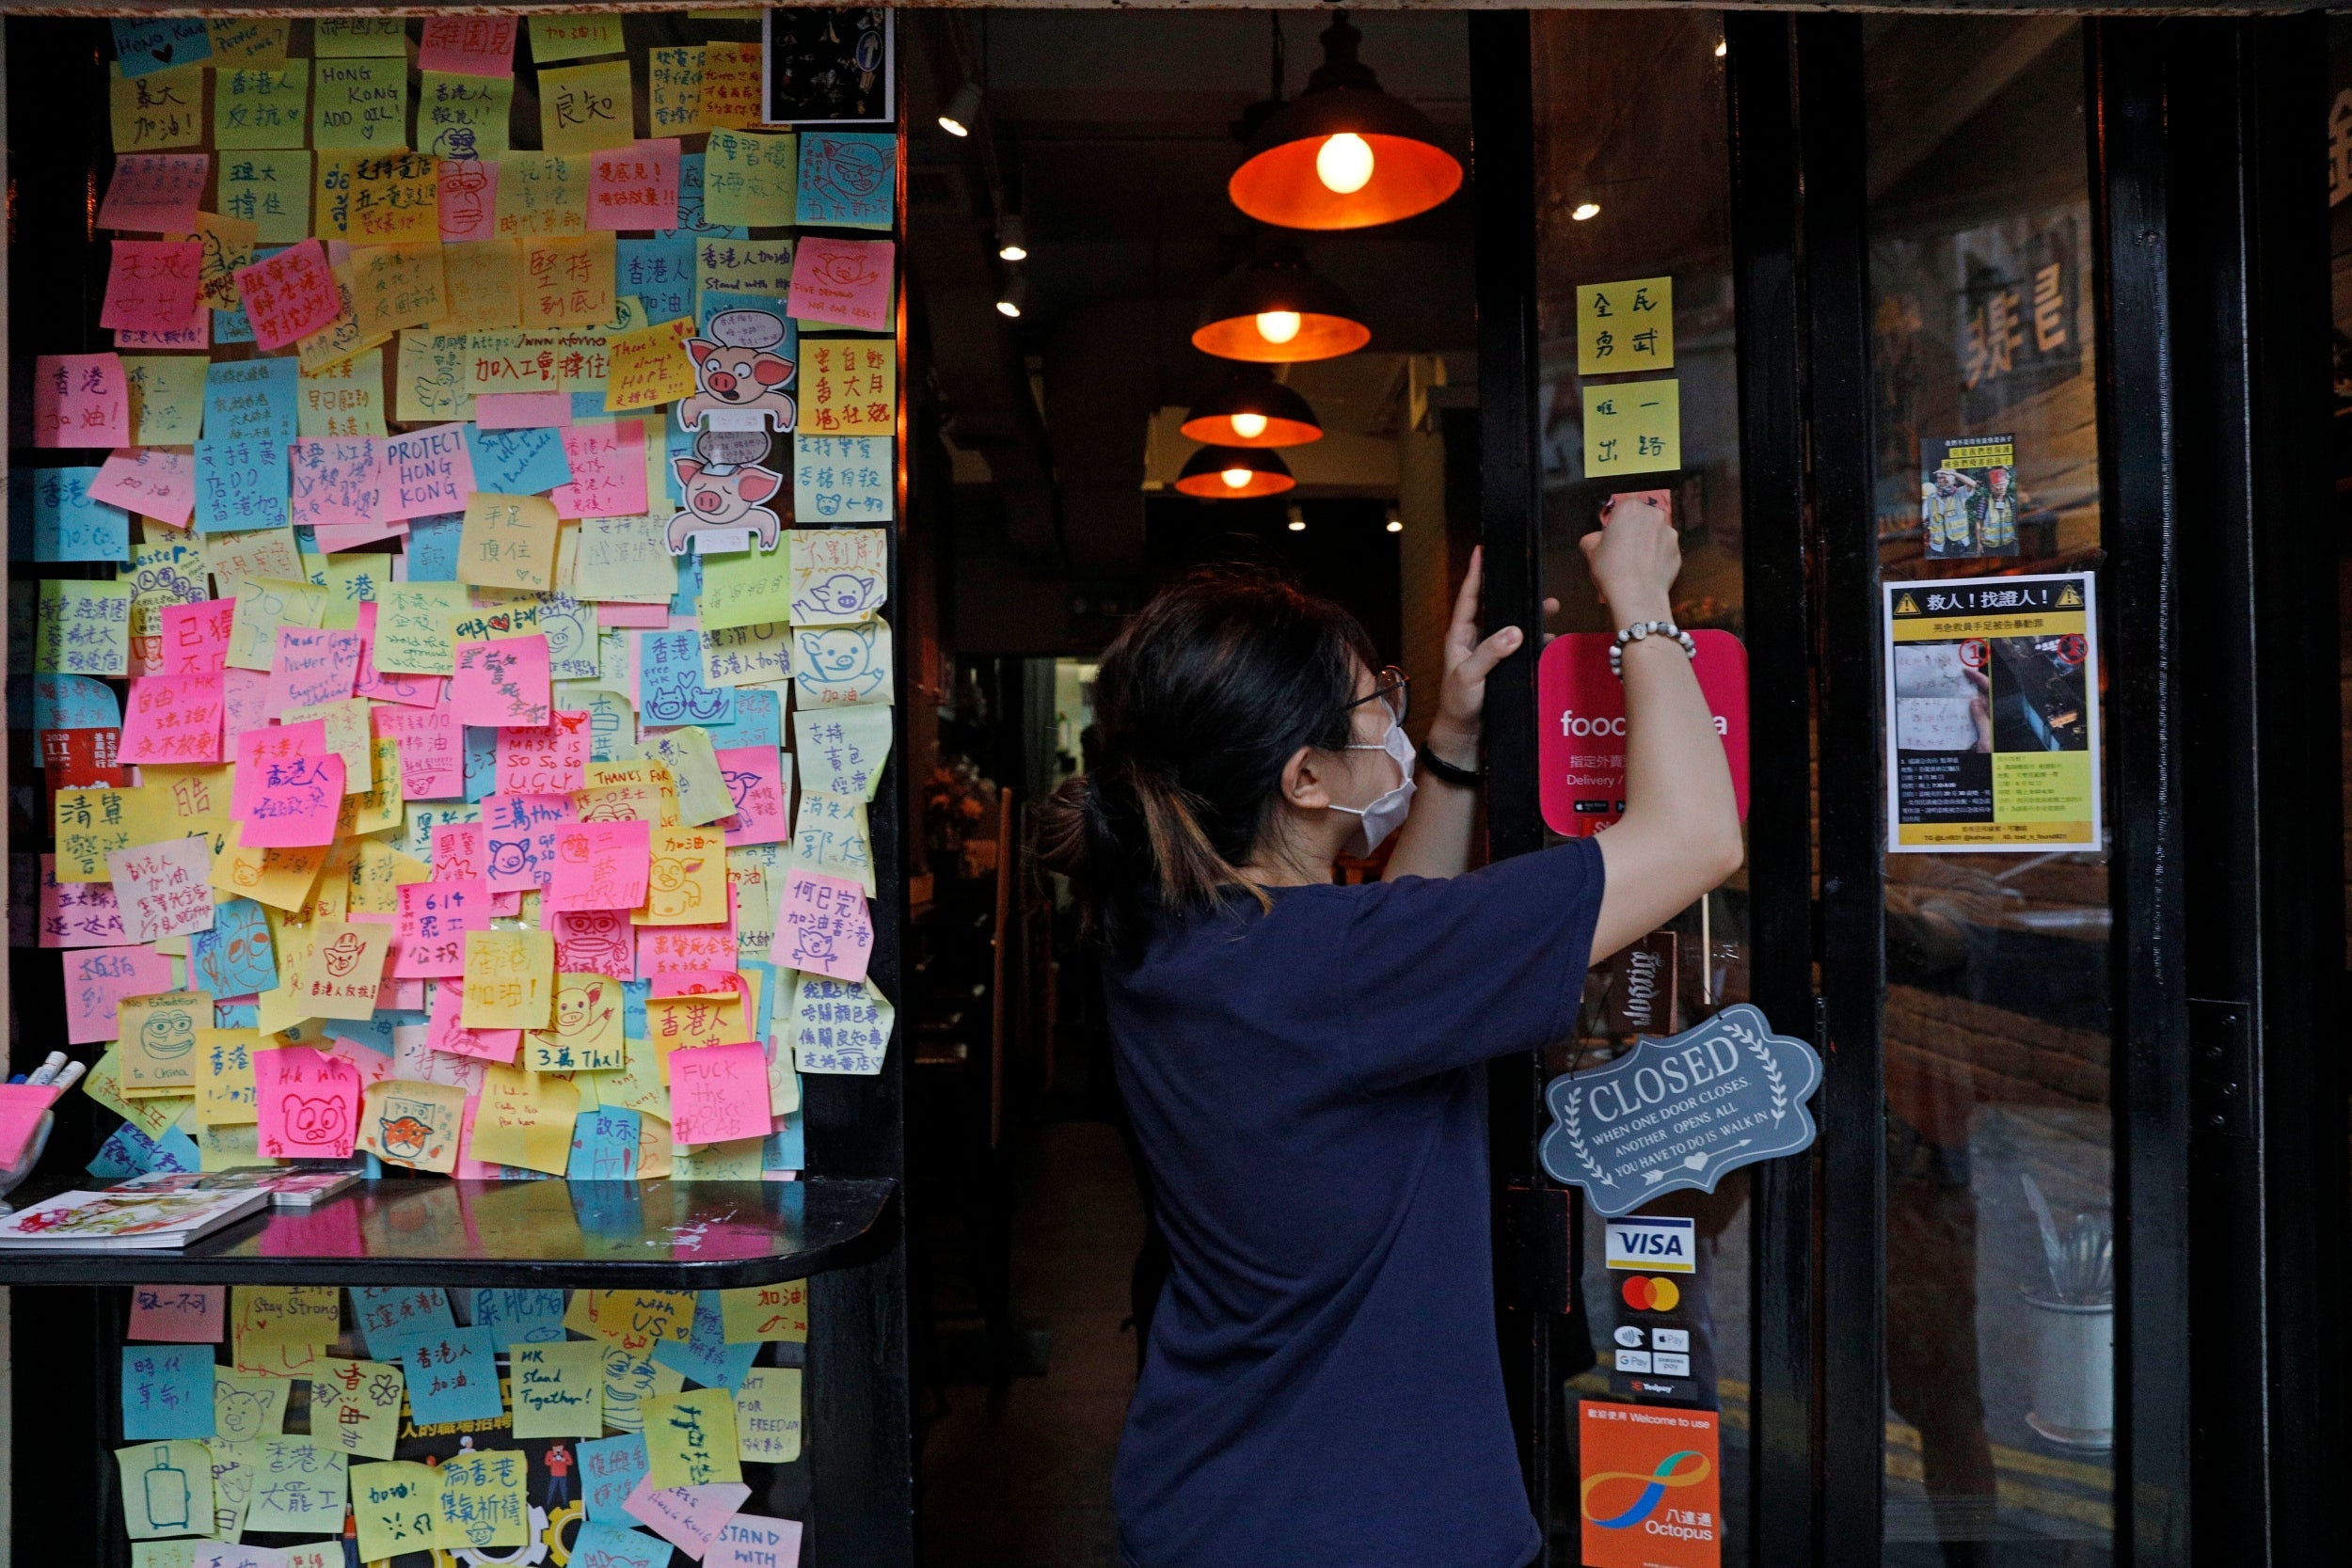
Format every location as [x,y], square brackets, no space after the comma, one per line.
[1651,1486]
[306,1103]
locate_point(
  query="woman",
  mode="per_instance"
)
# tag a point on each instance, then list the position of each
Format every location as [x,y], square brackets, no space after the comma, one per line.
[1321,1385]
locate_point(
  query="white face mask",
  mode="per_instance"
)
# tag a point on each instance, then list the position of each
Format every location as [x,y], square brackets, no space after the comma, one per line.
[1387,814]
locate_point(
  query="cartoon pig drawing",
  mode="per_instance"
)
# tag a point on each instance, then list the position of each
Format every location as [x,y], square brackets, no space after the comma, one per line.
[840,659]
[738,368]
[724,496]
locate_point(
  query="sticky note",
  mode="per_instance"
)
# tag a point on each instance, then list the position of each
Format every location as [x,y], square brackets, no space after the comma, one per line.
[525,1121]
[288,295]
[82,522]
[690,1517]
[674,86]
[397,1507]
[847,179]
[483,1501]
[567,280]
[342,972]
[597,1544]
[425,473]
[180,1314]
[1624,326]
[517,462]
[166,1391]
[163,890]
[540,193]
[839,1025]
[634,1320]
[298,1487]
[822,927]
[849,386]
[691,1440]
[585,108]
[253,398]
[84,628]
[247,39]
[731,85]
[648,366]
[609,1469]
[754,1541]
[306,1103]
[557,1388]
[155,193]
[574,37]
[361,104]
[749,179]
[80,400]
[503,683]
[508,542]
[144,46]
[248,1406]
[243,484]
[151,284]
[167,398]
[838,282]
[453,1377]
[841,479]
[1632,427]
[162,109]
[634,185]
[718,1092]
[166,1487]
[286,791]
[768,1415]
[463,118]
[261,107]
[347,38]
[472,45]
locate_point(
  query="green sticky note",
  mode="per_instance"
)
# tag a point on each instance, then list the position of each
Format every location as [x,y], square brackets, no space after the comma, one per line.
[746,588]
[347,38]
[167,398]
[85,628]
[557,1388]
[259,107]
[362,106]
[270,190]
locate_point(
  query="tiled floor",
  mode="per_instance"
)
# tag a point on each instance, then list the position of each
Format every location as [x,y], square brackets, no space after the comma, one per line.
[1029,1486]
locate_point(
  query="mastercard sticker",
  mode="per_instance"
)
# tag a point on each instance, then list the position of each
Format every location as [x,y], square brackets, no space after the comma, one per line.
[1651,1293]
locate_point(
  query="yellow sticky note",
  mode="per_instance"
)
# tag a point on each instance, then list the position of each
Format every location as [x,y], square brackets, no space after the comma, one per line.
[687,883]
[1625,327]
[510,982]
[574,37]
[362,103]
[463,117]
[270,190]
[557,1388]
[691,1438]
[267,1315]
[338,341]
[228,245]
[414,625]
[750,178]
[483,1501]
[347,722]
[224,1076]
[345,399]
[354,1407]
[635,1320]
[165,1487]
[849,386]
[164,108]
[343,970]
[768,1415]
[524,1119]
[673,81]
[648,366]
[1632,427]
[261,107]
[690,1023]
[430,378]
[587,108]
[90,823]
[730,89]
[280,878]
[485,285]
[152,1116]
[262,554]
[761,1312]
[702,796]
[587,1033]
[395,286]
[395,199]
[347,38]
[247,39]
[264,605]
[567,279]
[156,1035]
[248,1406]
[507,542]
[416,1126]
[541,194]
[167,398]
[397,1507]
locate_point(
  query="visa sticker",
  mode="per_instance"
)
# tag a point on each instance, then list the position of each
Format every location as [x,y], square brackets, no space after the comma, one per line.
[1654,1245]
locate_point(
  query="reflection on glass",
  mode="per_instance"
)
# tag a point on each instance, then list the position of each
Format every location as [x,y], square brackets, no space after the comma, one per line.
[1633,185]
[2000,1231]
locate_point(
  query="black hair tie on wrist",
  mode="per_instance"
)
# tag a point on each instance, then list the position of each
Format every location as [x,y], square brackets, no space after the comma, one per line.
[1461,778]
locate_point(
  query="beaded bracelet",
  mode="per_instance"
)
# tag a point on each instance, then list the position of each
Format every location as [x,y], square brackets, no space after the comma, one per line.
[1640,629]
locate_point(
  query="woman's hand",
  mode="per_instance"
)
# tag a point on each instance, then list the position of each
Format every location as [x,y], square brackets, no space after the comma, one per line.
[1462,696]
[1635,557]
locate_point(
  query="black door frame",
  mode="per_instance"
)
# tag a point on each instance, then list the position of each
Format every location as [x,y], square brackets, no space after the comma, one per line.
[2224,764]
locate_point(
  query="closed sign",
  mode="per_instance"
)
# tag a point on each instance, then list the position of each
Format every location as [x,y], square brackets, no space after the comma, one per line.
[1653,1245]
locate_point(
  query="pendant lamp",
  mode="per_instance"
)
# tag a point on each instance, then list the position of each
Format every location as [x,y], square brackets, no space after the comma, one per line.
[1343,154]
[1234,473]
[1279,310]
[1253,410]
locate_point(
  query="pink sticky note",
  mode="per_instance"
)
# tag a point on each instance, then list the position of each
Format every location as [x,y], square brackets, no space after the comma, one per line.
[153,481]
[245,693]
[21,1108]
[195,637]
[372,1065]
[197,333]
[594,942]
[172,720]
[469,45]
[313,666]
[151,284]
[842,282]
[445,1034]
[519,839]
[180,1314]
[649,617]
[599,866]
[754,776]
[331,537]
[607,472]
[688,1517]
[700,982]
[459,852]
[307,1103]
[164,889]
[408,690]
[718,1092]
[468,198]
[822,927]
[432,748]
[78,915]
[522,410]
[669,952]
[288,295]
[289,787]
[468,1168]
[155,193]
[80,400]
[426,473]
[98,977]
[337,485]
[634,186]
[753,1541]
[550,759]
[433,920]
[503,683]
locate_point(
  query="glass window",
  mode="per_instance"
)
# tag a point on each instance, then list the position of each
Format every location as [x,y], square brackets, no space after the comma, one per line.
[2000,1231]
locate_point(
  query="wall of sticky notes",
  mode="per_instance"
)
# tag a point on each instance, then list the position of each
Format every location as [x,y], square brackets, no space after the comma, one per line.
[456,563]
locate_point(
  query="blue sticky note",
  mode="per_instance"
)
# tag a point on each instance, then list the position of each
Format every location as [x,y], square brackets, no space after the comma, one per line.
[388,1314]
[375,1032]
[689,592]
[785,1148]
[177,1151]
[66,524]
[233,327]
[126,1152]
[660,271]
[669,688]
[707,1357]
[587,406]
[145,47]
[252,397]
[758,722]
[634,994]
[236,957]
[453,1376]
[242,482]
[433,547]
[520,1317]
[610,1547]
[609,1469]
[74,702]
[690,221]
[241,1015]
[517,461]
[167,1392]
[604,1145]
[482,761]
[847,179]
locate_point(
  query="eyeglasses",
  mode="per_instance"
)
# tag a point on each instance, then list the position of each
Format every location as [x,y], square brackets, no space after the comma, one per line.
[1388,691]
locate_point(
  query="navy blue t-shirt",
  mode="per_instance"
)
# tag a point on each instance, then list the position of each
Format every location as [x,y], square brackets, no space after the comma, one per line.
[1321,1385]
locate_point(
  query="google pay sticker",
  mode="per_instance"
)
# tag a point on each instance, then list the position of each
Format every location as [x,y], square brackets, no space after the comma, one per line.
[1658,1245]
